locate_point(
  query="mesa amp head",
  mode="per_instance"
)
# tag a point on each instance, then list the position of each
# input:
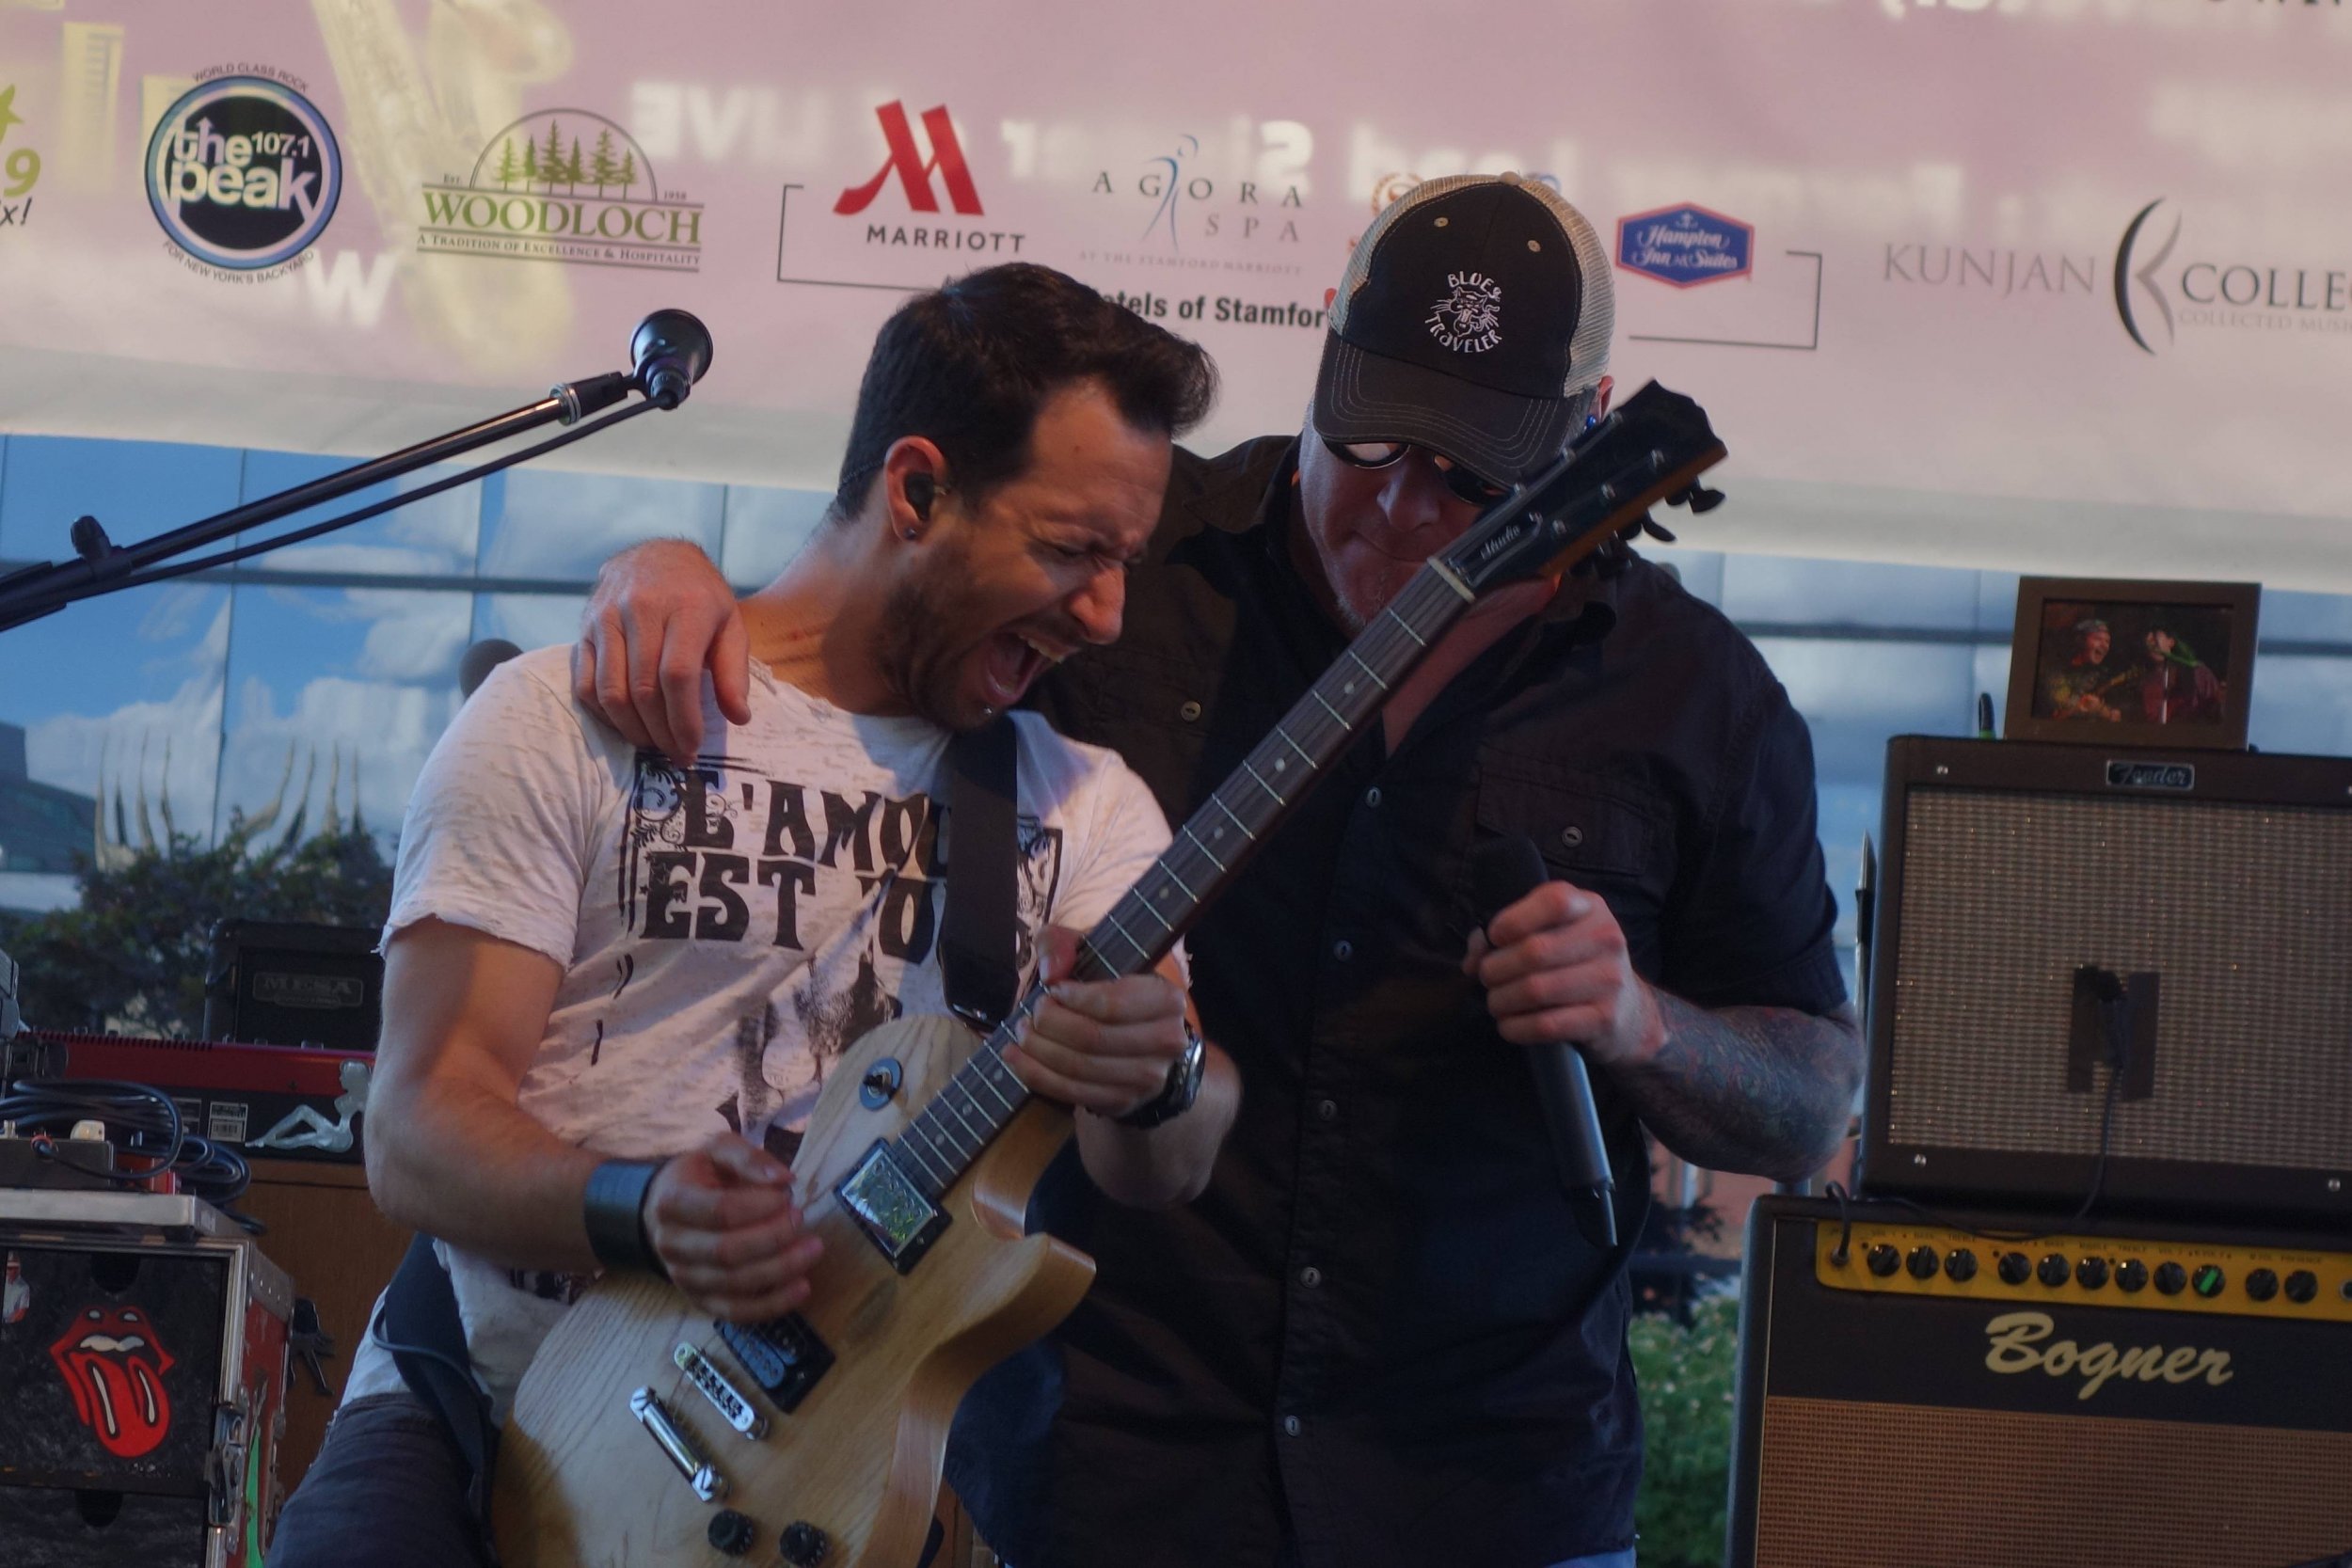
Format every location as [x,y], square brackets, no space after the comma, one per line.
[2076,939]
[275,983]
[1917,1396]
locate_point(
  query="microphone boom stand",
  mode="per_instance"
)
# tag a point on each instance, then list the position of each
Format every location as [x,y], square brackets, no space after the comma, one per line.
[671,350]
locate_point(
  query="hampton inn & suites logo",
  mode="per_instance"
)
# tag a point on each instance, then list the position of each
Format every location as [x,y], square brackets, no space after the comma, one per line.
[564,185]
[1685,246]
[243,174]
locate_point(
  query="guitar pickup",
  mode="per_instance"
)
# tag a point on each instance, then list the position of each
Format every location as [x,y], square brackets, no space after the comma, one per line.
[732,1406]
[784,1355]
[890,1208]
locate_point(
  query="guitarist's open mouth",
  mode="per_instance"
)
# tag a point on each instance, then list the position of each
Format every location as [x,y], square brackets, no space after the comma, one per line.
[1010,661]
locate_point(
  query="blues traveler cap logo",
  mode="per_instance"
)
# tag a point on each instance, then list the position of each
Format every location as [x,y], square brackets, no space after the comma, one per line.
[1470,319]
[242,173]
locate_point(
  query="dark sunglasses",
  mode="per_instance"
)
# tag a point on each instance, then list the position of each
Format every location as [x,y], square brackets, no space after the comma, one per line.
[1379,454]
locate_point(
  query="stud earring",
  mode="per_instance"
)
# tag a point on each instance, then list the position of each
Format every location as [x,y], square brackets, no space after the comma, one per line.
[913,533]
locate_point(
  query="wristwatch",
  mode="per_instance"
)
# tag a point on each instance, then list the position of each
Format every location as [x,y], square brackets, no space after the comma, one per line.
[1181,1088]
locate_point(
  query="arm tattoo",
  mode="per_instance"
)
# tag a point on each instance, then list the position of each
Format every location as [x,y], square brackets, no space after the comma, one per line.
[1763,1090]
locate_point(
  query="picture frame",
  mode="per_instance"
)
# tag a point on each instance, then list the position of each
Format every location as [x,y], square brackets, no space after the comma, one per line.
[2117,662]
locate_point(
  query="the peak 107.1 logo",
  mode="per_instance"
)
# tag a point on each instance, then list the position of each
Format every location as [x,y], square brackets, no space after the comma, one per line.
[243,172]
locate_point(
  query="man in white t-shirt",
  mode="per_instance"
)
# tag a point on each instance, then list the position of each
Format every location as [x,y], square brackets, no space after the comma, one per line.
[615,983]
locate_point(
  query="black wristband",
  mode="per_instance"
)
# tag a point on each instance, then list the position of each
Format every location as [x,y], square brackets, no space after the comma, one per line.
[613,1208]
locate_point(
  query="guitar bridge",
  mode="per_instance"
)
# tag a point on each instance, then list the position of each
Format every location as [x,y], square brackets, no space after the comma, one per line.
[890,1208]
[782,1355]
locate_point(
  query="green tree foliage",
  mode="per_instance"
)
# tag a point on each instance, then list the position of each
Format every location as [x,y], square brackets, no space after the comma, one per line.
[605,168]
[1686,1377]
[551,164]
[131,956]
[509,168]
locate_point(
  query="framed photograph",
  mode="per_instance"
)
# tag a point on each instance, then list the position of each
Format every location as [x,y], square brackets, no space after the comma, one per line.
[2124,663]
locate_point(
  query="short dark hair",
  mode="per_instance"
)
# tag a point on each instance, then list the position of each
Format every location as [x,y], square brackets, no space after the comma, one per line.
[968,365]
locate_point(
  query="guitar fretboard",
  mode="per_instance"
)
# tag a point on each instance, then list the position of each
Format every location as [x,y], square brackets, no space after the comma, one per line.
[983,1096]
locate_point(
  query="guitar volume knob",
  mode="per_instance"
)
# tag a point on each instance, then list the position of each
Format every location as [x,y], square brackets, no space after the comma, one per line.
[731,1532]
[803,1545]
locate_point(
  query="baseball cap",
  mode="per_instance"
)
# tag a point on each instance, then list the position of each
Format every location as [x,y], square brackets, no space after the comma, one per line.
[1473,319]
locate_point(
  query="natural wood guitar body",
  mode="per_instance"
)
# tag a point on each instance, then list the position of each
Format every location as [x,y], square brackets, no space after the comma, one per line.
[579,1480]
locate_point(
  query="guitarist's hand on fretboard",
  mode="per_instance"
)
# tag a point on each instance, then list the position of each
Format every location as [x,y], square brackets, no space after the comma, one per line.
[723,1220]
[1104,1046]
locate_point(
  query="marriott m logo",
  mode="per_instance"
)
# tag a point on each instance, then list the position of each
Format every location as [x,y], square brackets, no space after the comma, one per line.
[914,170]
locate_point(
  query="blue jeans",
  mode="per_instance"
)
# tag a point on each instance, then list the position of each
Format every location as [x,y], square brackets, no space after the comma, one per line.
[388,1490]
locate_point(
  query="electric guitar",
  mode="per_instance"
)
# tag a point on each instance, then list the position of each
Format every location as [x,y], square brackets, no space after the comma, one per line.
[644,1433]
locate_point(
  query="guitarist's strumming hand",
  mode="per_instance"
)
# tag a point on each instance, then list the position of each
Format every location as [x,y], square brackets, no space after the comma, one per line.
[723,1220]
[1100,1045]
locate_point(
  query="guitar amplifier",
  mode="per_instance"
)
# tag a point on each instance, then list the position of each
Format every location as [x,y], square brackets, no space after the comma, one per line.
[285,1102]
[283,984]
[2076,943]
[143,1343]
[1915,1396]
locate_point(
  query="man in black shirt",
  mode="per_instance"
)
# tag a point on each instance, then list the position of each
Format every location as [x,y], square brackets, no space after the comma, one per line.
[1379,1337]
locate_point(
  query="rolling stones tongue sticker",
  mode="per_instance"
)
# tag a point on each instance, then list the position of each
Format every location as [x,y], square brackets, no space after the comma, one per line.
[115,1369]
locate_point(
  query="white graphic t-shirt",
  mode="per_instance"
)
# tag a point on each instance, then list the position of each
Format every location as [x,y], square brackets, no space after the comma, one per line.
[725,932]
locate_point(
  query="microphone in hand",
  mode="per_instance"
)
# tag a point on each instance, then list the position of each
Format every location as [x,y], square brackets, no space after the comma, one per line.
[1503,872]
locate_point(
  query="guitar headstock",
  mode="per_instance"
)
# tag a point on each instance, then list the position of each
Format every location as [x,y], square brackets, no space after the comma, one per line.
[1650,449]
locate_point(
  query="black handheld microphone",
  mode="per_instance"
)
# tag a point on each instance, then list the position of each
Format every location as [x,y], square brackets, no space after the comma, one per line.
[671,352]
[1503,872]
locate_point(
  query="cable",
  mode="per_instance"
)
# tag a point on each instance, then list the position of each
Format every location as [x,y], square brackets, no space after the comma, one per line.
[2098,1183]
[143,1116]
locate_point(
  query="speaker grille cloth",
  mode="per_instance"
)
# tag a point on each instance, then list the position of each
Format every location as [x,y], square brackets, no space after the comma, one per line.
[2244,911]
[1843,1485]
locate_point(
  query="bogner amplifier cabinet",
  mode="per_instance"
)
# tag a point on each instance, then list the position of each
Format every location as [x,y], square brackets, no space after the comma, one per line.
[2073,938]
[1914,1396]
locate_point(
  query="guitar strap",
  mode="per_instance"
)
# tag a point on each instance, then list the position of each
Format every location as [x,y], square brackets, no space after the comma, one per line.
[419,1325]
[977,945]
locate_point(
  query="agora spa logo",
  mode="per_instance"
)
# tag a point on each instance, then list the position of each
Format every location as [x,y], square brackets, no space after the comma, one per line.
[564,185]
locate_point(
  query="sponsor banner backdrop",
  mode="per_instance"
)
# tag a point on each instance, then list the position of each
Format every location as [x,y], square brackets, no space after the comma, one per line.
[2042,285]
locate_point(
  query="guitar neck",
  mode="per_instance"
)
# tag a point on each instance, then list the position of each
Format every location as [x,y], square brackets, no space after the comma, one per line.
[1207,853]
[1653,448]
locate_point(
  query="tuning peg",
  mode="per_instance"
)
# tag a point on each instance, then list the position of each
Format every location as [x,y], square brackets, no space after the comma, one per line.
[1656,530]
[1698,497]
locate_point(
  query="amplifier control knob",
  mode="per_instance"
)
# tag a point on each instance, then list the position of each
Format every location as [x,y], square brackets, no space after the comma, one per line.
[2131,1275]
[2262,1285]
[2208,1281]
[1962,1264]
[2053,1271]
[1922,1261]
[2170,1278]
[2302,1285]
[2092,1272]
[2015,1268]
[1884,1258]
